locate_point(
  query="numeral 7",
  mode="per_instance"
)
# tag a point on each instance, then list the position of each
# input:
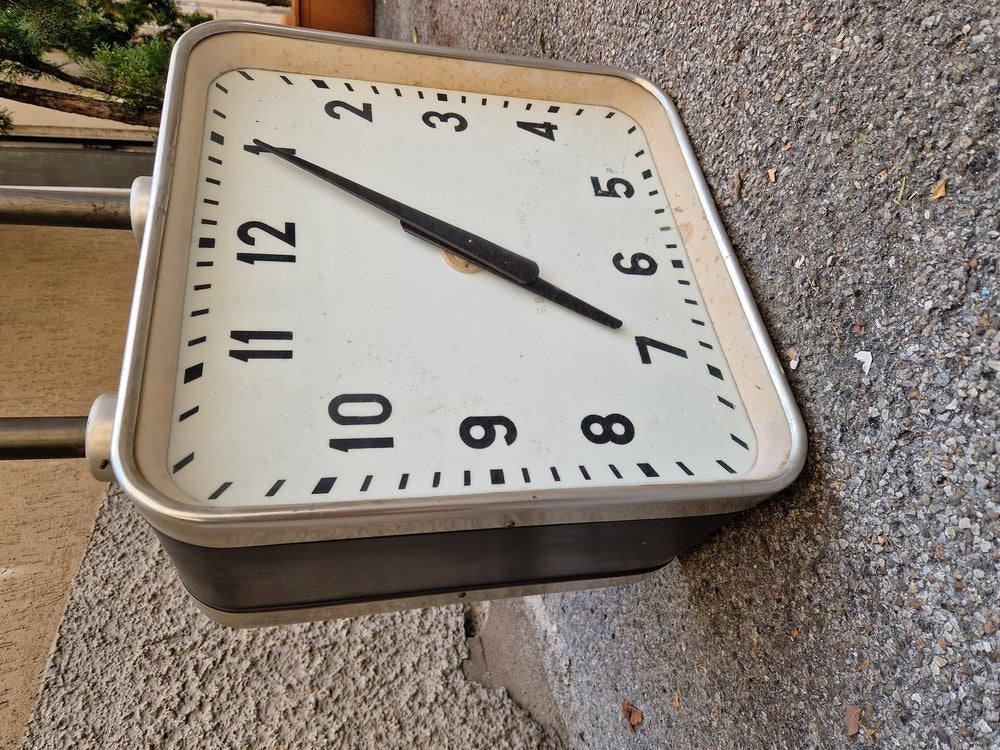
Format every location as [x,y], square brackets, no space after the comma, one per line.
[644,343]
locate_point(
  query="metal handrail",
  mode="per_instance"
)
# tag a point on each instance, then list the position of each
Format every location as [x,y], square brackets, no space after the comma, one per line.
[42,437]
[106,208]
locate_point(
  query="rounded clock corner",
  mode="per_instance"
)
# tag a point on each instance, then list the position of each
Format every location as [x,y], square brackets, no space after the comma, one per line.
[785,471]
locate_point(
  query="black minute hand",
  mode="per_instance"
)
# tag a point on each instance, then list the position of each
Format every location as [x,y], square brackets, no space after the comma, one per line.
[505,263]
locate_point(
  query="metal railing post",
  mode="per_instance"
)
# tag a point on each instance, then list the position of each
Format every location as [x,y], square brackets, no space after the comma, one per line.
[106,208]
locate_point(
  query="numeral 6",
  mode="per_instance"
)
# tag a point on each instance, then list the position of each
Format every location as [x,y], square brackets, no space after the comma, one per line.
[641,264]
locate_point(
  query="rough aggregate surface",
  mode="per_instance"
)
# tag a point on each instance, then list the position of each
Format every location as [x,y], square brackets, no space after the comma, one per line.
[871,584]
[136,665]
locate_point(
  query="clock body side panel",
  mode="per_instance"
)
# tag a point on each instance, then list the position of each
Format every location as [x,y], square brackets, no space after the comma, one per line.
[398,570]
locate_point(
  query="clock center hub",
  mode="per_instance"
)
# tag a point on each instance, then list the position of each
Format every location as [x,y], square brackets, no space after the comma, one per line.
[461,264]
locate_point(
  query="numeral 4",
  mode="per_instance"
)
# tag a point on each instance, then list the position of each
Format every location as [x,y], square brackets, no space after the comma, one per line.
[544,129]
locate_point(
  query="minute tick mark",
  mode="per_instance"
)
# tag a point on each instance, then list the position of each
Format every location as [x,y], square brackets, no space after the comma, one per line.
[193,372]
[222,488]
[324,485]
[647,470]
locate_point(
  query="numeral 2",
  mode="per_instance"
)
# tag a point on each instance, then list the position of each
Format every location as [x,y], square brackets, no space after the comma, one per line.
[365,112]
[288,236]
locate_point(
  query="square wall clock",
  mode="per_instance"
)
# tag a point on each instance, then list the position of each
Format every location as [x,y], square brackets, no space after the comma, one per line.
[416,326]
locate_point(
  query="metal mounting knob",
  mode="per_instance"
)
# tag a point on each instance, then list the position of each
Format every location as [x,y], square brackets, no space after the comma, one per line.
[98,439]
[138,205]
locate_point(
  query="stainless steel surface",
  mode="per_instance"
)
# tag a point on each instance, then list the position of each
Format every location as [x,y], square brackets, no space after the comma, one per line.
[799,443]
[98,438]
[42,437]
[138,205]
[106,208]
[234,527]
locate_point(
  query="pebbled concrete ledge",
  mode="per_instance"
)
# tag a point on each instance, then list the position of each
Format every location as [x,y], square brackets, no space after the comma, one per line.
[136,664]
[871,584]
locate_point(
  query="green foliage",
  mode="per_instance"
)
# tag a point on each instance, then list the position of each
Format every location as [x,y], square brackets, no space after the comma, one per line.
[19,39]
[135,72]
[122,46]
[5,122]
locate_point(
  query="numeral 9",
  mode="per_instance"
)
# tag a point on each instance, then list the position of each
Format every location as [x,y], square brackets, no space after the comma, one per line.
[489,427]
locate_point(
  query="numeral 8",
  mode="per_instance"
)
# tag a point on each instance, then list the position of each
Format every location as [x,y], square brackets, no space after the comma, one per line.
[607,425]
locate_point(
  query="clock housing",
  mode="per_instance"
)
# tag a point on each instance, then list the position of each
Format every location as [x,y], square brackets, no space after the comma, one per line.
[492,506]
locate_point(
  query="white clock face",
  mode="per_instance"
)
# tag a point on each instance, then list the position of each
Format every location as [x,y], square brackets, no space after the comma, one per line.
[329,356]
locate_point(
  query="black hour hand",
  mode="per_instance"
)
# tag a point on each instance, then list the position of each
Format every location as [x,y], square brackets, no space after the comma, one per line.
[471,247]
